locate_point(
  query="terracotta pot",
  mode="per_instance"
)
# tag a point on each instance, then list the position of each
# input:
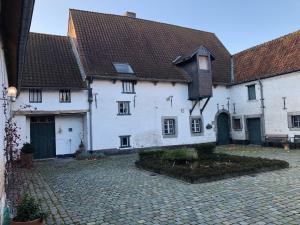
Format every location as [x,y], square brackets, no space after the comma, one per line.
[27,160]
[34,222]
[286,146]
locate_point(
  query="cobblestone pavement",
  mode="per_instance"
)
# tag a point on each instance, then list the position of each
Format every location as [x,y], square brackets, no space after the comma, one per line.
[113,191]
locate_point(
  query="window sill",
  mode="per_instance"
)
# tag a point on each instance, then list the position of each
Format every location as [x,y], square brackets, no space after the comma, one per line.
[294,128]
[128,92]
[124,147]
[124,114]
[238,130]
[252,100]
[169,136]
[65,102]
[197,134]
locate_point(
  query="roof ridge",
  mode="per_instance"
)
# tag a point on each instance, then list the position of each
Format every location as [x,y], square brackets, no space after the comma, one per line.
[146,20]
[268,42]
[47,34]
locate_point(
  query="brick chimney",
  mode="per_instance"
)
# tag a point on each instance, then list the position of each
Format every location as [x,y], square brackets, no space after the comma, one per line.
[130,14]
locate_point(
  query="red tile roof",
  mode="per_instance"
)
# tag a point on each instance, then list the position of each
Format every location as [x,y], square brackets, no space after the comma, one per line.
[50,63]
[269,59]
[149,47]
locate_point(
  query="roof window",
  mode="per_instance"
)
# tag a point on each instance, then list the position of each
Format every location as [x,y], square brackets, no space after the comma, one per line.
[123,68]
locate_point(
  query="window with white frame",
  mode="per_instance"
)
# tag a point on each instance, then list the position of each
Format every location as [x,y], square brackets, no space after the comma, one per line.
[196,125]
[169,126]
[35,96]
[128,87]
[203,62]
[65,95]
[123,68]
[295,121]
[123,108]
[125,141]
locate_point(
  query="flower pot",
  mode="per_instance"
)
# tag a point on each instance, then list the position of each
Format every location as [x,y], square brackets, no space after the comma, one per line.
[27,159]
[286,146]
[33,222]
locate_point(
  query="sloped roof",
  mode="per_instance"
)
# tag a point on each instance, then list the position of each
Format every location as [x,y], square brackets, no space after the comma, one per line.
[272,58]
[50,63]
[149,47]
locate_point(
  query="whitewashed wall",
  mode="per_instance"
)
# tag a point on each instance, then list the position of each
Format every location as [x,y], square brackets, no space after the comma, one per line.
[66,142]
[274,89]
[4,83]
[144,123]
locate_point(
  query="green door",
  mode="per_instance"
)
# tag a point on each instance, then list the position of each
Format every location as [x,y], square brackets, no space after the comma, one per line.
[254,131]
[223,129]
[42,135]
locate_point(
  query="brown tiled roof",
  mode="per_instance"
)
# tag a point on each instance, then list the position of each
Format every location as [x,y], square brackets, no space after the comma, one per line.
[272,58]
[50,63]
[149,47]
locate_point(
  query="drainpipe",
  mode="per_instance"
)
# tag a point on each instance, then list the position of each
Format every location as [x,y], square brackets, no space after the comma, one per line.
[90,100]
[262,108]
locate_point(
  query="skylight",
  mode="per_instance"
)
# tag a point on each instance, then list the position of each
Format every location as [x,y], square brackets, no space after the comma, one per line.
[123,68]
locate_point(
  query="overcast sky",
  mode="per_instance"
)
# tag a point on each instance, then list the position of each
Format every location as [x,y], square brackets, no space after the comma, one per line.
[239,24]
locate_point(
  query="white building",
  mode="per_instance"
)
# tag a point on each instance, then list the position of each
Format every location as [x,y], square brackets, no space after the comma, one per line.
[120,83]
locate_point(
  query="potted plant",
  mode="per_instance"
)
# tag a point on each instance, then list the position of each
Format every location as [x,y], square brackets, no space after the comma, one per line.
[28,212]
[27,152]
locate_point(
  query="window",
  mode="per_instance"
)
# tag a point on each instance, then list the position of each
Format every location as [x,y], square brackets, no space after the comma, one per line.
[123,68]
[124,141]
[196,125]
[35,96]
[64,96]
[123,108]
[296,121]
[237,123]
[128,87]
[251,92]
[169,127]
[203,62]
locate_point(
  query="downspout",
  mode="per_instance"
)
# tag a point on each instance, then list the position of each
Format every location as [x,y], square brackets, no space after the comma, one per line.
[90,100]
[262,109]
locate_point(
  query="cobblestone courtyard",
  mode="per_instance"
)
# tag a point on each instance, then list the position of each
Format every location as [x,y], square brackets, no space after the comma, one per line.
[113,191]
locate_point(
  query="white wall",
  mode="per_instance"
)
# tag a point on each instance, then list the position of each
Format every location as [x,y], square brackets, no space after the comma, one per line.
[144,123]
[3,83]
[67,141]
[274,89]
[50,101]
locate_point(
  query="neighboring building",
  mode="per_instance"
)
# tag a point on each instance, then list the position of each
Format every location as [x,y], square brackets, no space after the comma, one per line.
[15,19]
[145,84]
[265,91]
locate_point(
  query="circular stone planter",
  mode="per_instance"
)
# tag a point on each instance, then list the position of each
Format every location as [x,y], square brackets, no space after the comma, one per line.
[34,222]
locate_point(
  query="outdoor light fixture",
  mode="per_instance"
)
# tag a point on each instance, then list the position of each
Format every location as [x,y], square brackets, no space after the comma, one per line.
[11,94]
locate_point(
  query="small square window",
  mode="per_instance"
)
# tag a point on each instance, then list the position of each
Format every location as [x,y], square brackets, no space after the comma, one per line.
[296,121]
[123,68]
[35,96]
[124,141]
[203,62]
[251,92]
[64,95]
[236,123]
[128,87]
[196,125]
[123,108]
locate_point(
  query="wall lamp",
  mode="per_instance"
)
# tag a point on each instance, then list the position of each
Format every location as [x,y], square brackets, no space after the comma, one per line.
[11,94]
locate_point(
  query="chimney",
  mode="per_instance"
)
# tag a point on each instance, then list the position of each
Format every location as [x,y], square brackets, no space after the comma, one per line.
[130,14]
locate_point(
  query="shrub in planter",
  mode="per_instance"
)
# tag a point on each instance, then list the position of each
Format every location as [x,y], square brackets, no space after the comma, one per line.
[182,155]
[28,212]
[27,152]
[205,149]
[151,154]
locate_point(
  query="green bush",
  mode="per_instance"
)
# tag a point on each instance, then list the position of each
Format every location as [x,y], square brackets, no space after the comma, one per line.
[28,209]
[151,154]
[27,148]
[183,154]
[205,149]
[90,156]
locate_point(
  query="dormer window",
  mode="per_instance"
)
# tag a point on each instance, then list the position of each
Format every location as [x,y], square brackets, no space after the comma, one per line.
[123,68]
[203,62]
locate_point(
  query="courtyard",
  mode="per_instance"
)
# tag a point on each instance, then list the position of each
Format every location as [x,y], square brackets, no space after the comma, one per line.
[114,191]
